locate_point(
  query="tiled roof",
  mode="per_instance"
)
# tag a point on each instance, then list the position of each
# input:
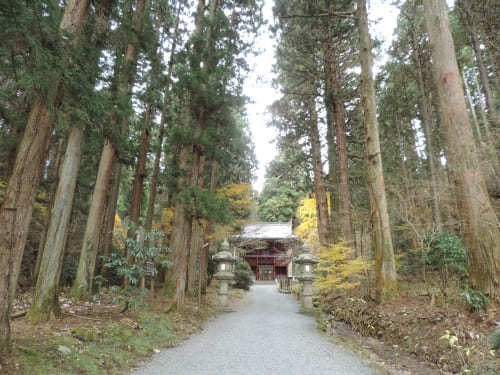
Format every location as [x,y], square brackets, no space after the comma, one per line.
[267,231]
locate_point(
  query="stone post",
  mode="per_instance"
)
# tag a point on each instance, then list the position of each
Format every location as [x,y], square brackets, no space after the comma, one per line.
[307,262]
[224,261]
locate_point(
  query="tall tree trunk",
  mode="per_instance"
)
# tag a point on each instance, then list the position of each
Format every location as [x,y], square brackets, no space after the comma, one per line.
[330,141]
[53,177]
[182,226]
[427,125]
[205,250]
[479,219]
[109,216]
[140,173]
[154,182]
[196,236]
[88,255]
[484,116]
[324,223]
[161,134]
[138,185]
[492,161]
[17,207]
[181,233]
[345,203]
[483,73]
[86,266]
[472,110]
[45,297]
[385,268]
[11,156]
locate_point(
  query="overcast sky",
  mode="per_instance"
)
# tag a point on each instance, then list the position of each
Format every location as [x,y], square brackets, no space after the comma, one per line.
[258,86]
[259,89]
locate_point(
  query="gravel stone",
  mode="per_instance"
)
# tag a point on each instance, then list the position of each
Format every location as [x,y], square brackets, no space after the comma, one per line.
[267,335]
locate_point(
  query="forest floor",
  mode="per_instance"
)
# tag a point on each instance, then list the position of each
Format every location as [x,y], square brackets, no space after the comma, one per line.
[96,338]
[406,333]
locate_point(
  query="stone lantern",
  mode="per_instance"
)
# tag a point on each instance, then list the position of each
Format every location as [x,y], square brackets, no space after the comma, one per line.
[307,262]
[224,273]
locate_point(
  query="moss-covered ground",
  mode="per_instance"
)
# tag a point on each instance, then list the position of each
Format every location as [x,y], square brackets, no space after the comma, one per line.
[103,341]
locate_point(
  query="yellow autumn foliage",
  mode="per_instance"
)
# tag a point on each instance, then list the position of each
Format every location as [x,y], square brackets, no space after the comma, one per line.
[120,233]
[307,230]
[241,199]
[168,216]
[336,269]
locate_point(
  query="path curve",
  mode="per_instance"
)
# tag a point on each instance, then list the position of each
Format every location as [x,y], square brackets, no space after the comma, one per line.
[267,335]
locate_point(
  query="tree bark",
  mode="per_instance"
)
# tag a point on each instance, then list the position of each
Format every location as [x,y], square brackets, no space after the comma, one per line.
[324,223]
[17,207]
[472,110]
[196,237]
[479,219]
[11,156]
[181,233]
[88,255]
[161,134]
[86,266]
[138,186]
[53,177]
[109,218]
[140,173]
[45,297]
[182,224]
[345,203]
[205,250]
[385,268]
[483,73]
[427,125]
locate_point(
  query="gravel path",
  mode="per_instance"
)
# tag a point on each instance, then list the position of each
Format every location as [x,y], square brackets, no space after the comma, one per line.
[267,336]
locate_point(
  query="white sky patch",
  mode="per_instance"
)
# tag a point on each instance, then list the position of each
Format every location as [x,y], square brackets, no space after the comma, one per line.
[258,87]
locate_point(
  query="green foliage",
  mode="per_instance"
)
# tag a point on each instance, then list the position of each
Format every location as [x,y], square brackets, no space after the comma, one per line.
[447,255]
[285,185]
[243,275]
[132,298]
[495,340]
[204,203]
[140,252]
[410,261]
[68,270]
[108,348]
[475,300]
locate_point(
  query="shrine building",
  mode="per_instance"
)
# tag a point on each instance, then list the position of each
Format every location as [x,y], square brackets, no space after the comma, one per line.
[268,248]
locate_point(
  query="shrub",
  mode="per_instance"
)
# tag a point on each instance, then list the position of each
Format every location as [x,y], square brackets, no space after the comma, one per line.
[447,255]
[140,252]
[475,300]
[337,271]
[495,340]
[243,275]
[68,270]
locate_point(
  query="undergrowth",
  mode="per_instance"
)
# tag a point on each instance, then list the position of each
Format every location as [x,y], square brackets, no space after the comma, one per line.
[108,345]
